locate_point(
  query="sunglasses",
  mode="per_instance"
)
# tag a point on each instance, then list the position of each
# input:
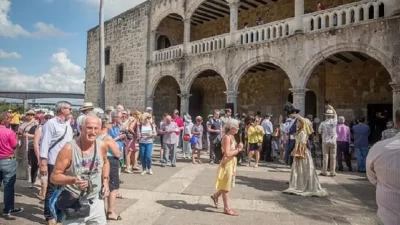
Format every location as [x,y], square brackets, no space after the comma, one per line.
[30,114]
[47,117]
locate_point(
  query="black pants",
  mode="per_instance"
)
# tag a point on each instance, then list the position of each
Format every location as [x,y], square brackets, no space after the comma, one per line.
[343,147]
[266,147]
[49,193]
[14,127]
[33,162]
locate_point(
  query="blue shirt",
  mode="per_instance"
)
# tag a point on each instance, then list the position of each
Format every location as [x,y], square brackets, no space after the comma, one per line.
[361,133]
[114,132]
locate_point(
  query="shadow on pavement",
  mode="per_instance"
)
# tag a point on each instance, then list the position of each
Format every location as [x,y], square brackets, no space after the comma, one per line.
[32,213]
[261,184]
[180,204]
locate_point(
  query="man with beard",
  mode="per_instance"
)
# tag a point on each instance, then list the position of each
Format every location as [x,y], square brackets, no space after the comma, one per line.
[83,169]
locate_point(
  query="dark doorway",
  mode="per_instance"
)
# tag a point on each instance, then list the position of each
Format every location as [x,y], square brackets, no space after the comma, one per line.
[196,102]
[378,115]
[311,103]
[163,42]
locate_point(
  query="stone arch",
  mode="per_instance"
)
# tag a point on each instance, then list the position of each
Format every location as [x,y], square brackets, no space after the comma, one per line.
[157,20]
[192,8]
[156,80]
[244,67]
[374,53]
[198,70]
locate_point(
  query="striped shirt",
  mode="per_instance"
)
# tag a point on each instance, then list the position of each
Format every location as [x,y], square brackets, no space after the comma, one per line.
[383,170]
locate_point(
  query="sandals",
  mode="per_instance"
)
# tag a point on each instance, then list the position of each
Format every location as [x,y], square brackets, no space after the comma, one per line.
[215,200]
[110,218]
[231,212]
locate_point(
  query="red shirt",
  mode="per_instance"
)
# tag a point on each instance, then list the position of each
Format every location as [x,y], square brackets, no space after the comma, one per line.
[8,141]
[178,122]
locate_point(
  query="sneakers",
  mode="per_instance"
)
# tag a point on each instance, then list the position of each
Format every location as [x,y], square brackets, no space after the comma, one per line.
[143,172]
[128,171]
[14,211]
[150,172]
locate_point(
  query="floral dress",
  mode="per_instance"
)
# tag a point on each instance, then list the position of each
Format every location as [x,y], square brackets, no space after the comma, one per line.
[226,173]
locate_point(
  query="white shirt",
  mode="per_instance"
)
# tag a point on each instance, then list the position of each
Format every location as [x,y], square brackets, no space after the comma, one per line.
[267,125]
[383,170]
[327,129]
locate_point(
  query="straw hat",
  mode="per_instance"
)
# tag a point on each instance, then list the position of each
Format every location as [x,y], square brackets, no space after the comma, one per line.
[30,112]
[86,105]
[329,112]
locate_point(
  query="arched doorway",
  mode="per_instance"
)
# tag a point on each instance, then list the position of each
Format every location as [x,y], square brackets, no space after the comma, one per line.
[170,31]
[263,87]
[166,97]
[310,103]
[207,94]
[355,84]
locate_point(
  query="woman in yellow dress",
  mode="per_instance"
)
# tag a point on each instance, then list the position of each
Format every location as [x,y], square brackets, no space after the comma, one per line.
[303,177]
[227,168]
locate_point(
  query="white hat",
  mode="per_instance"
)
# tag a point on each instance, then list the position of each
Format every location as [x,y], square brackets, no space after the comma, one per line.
[110,108]
[86,105]
[97,111]
[149,109]
[49,113]
[329,112]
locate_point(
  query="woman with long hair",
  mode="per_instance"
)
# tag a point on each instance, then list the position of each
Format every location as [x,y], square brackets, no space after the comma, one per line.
[255,135]
[146,131]
[196,140]
[227,168]
[303,177]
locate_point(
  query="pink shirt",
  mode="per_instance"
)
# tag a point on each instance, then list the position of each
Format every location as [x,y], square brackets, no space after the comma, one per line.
[383,171]
[343,133]
[178,122]
[8,141]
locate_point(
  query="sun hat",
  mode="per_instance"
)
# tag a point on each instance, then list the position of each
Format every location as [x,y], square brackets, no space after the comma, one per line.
[110,108]
[149,109]
[98,111]
[49,113]
[30,112]
[86,105]
[329,112]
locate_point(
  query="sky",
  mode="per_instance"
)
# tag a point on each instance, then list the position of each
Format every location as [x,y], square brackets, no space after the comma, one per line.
[43,42]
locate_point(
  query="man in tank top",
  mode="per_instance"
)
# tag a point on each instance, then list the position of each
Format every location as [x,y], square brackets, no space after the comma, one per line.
[73,166]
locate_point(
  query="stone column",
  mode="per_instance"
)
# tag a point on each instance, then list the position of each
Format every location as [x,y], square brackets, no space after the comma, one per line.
[152,43]
[299,95]
[186,36]
[150,102]
[231,97]
[184,102]
[234,8]
[298,16]
[25,105]
[396,97]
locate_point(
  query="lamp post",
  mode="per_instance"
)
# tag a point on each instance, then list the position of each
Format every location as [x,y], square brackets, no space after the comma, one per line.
[102,58]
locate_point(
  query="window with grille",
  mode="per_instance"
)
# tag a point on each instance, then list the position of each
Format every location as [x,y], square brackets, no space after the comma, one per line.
[120,73]
[107,56]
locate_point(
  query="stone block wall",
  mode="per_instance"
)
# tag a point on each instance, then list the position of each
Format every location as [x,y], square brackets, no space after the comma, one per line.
[126,36]
[171,28]
[165,97]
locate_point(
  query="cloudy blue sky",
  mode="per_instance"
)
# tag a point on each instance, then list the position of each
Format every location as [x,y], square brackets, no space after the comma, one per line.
[43,42]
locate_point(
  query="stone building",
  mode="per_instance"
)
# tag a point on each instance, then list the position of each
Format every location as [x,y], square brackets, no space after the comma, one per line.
[198,55]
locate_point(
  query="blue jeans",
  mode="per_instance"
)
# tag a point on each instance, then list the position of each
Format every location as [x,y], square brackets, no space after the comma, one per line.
[8,168]
[187,148]
[169,149]
[361,155]
[146,150]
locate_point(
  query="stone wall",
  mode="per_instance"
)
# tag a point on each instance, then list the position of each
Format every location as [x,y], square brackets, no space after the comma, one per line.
[173,29]
[165,97]
[126,36]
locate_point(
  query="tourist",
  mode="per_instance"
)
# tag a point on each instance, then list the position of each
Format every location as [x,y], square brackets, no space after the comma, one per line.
[259,21]
[196,140]
[178,120]
[255,134]
[8,165]
[214,126]
[23,130]
[226,117]
[209,117]
[162,138]
[36,143]
[56,132]
[28,137]
[109,109]
[113,155]
[327,129]
[15,120]
[361,146]
[227,168]
[169,130]
[284,137]
[118,136]
[303,177]
[390,131]
[187,130]
[127,141]
[87,178]
[343,144]
[146,132]
[290,129]
[267,140]
[240,137]
[320,6]
[120,108]
[86,108]
[383,171]
[132,145]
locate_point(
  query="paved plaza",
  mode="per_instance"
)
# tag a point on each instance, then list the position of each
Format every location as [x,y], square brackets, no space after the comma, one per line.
[181,196]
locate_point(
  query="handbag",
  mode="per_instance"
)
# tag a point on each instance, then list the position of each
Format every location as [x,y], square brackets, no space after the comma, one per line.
[76,207]
[186,137]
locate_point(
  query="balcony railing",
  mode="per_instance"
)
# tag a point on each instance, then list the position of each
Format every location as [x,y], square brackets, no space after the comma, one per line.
[343,15]
[168,53]
[266,32]
[209,44]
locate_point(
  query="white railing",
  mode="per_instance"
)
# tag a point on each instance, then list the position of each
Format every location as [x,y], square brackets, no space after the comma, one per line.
[209,44]
[168,53]
[269,31]
[343,15]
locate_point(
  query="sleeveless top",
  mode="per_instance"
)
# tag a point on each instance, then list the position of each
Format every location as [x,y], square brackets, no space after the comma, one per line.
[101,138]
[81,165]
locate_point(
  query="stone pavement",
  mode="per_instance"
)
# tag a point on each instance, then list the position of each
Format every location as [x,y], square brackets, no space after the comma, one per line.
[181,195]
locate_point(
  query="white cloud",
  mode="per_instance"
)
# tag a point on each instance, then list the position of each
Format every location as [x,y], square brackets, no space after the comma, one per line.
[9,29]
[10,55]
[113,7]
[64,76]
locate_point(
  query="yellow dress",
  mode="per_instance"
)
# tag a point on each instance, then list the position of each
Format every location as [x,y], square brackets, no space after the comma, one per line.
[227,170]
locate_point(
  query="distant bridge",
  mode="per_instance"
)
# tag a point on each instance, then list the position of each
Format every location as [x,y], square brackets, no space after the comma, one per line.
[25,95]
